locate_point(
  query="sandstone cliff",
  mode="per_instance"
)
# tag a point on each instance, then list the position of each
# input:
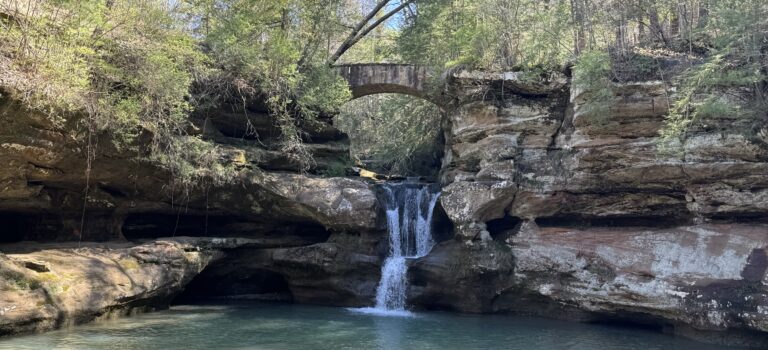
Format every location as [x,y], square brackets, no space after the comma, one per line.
[546,210]
[566,214]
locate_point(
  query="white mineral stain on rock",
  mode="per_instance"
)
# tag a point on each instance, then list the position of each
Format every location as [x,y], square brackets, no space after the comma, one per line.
[677,293]
[672,256]
[345,205]
[763,310]
[546,289]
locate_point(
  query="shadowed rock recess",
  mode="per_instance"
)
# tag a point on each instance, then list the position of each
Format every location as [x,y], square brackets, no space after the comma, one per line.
[545,210]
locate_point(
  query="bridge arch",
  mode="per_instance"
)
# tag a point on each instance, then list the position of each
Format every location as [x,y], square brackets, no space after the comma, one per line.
[380,78]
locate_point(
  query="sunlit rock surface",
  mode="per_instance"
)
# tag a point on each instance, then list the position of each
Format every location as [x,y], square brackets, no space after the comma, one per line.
[55,287]
[571,165]
[595,222]
[546,209]
[698,281]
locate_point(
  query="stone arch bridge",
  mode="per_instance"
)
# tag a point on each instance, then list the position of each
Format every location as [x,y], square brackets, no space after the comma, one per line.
[378,78]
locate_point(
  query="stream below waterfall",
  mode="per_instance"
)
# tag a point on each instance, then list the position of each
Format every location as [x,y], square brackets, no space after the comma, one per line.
[290,326]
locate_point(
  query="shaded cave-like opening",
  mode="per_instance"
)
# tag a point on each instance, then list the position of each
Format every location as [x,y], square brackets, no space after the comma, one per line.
[25,226]
[501,228]
[226,280]
[442,226]
[738,218]
[13,227]
[153,225]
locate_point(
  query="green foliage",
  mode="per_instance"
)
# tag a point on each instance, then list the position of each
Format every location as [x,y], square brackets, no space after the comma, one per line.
[126,66]
[701,96]
[15,280]
[398,134]
[592,73]
[322,90]
[490,34]
[592,68]
[191,160]
[379,46]
[271,49]
[336,169]
[731,82]
[139,68]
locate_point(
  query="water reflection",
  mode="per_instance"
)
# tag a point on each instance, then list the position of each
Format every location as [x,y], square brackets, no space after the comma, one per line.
[281,326]
[389,332]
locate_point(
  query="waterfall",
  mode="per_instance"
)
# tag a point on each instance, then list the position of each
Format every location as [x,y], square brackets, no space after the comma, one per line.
[409,210]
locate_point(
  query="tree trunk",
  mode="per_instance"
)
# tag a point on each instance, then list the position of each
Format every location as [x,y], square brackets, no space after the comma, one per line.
[656,30]
[620,30]
[580,35]
[674,23]
[703,14]
[361,30]
[640,25]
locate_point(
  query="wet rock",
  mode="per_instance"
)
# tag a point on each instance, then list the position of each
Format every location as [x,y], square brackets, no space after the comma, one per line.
[461,277]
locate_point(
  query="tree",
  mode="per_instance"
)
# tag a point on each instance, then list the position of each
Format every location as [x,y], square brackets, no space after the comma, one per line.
[363,27]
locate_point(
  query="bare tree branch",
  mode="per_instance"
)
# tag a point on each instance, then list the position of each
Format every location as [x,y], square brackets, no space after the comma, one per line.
[359,32]
[347,43]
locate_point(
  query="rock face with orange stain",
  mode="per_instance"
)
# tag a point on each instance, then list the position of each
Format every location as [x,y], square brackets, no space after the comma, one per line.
[563,212]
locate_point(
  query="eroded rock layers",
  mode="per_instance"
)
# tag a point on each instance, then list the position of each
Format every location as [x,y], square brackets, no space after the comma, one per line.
[547,208]
[308,234]
[564,212]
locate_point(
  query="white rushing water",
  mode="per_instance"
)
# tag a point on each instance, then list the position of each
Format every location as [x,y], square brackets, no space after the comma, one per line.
[409,210]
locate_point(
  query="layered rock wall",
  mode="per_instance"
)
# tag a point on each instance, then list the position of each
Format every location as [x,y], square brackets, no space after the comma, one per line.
[544,156]
[564,212]
[270,231]
[555,210]
[50,192]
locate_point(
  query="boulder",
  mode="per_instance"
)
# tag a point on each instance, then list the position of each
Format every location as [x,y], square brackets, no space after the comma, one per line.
[54,288]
